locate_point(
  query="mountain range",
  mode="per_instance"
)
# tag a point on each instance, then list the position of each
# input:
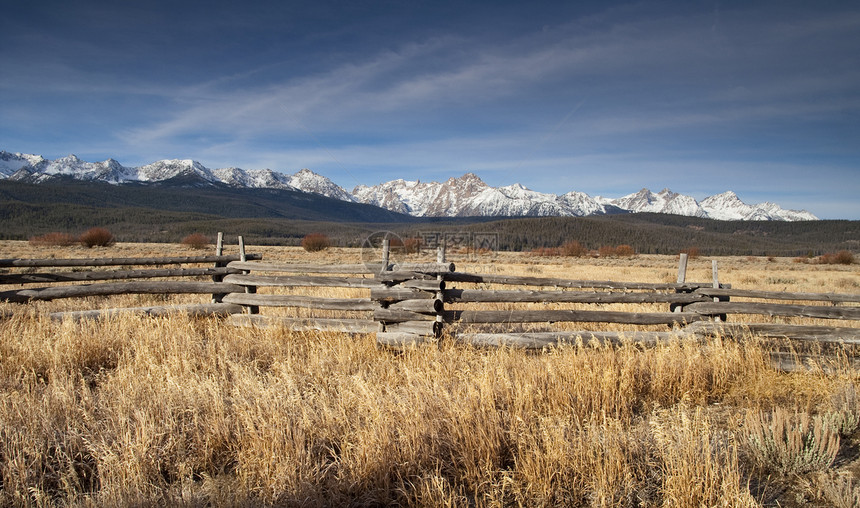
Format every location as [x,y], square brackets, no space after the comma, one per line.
[466,196]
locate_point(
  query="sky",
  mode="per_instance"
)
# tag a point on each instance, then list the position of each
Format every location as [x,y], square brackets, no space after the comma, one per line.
[758,97]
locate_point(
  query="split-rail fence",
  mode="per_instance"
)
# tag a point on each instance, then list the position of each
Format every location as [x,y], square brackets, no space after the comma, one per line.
[410,303]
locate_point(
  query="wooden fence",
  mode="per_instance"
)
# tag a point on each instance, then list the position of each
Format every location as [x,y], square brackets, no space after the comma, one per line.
[410,303]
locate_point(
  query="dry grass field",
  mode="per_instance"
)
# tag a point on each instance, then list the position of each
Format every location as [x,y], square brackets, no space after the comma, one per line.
[140,411]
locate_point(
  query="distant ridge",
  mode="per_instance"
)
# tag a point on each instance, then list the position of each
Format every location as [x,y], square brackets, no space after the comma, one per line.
[465,196]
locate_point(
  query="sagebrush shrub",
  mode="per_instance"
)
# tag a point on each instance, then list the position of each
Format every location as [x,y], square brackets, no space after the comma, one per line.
[315,242]
[791,443]
[196,241]
[54,239]
[97,237]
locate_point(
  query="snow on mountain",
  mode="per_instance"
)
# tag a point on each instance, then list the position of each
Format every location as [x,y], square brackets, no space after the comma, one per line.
[471,196]
[11,163]
[664,201]
[728,206]
[308,181]
[467,195]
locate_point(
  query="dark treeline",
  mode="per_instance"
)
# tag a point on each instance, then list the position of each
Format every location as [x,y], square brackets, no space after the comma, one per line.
[149,213]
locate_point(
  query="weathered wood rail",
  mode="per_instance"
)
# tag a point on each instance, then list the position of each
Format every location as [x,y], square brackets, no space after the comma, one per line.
[412,303]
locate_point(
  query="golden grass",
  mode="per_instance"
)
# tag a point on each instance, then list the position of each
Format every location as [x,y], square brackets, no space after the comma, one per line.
[178,411]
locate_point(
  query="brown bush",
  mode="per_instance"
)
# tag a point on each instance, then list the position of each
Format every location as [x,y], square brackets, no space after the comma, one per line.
[573,249]
[624,251]
[842,257]
[606,251]
[692,252]
[97,237]
[315,242]
[412,245]
[196,241]
[546,251]
[54,239]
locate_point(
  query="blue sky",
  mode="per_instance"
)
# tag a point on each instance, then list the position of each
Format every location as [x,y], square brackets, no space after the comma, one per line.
[762,98]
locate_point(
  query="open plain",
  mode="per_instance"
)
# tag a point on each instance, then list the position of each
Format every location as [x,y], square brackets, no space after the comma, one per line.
[132,410]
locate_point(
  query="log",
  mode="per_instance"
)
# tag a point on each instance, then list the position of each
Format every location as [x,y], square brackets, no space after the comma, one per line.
[398,340]
[581,316]
[424,285]
[29,278]
[431,268]
[478,295]
[306,324]
[198,310]
[311,302]
[393,294]
[424,306]
[540,340]
[567,283]
[301,281]
[827,334]
[120,288]
[774,309]
[780,295]
[301,268]
[417,327]
[397,316]
[789,362]
[174,260]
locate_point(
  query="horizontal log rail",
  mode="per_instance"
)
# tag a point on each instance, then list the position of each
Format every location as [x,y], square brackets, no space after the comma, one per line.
[580,316]
[302,281]
[202,310]
[307,324]
[828,334]
[119,288]
[524,296]
[780,295]
[428,268]
[540,340]
[174,260]
[30,278]
[568,283]
[774,309]
[311,302]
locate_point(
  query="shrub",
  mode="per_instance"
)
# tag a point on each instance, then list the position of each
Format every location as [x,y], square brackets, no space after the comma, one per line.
[791,444]
[54,239]
[412,245]
[546,251]
[196,241]
[97,237]
[692,252]
[842,257]
[606,251]
[315,242]
[573,249]
[624,251]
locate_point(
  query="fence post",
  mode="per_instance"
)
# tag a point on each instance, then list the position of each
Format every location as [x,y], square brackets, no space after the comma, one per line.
[440,258]
[252,309]
[682,277]
[716,285]
[219,251]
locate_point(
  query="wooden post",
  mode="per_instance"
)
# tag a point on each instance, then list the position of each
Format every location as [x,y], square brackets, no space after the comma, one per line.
[440,321]
[682,268]
[219,251]
[252,309]
[386,254]
[716,284]
[682,277]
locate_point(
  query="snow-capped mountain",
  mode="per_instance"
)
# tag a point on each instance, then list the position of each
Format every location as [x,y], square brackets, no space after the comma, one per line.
[465,196]
[469,195]
[37,169]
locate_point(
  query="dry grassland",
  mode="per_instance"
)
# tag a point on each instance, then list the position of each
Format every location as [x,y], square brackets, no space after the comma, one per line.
[177,411]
